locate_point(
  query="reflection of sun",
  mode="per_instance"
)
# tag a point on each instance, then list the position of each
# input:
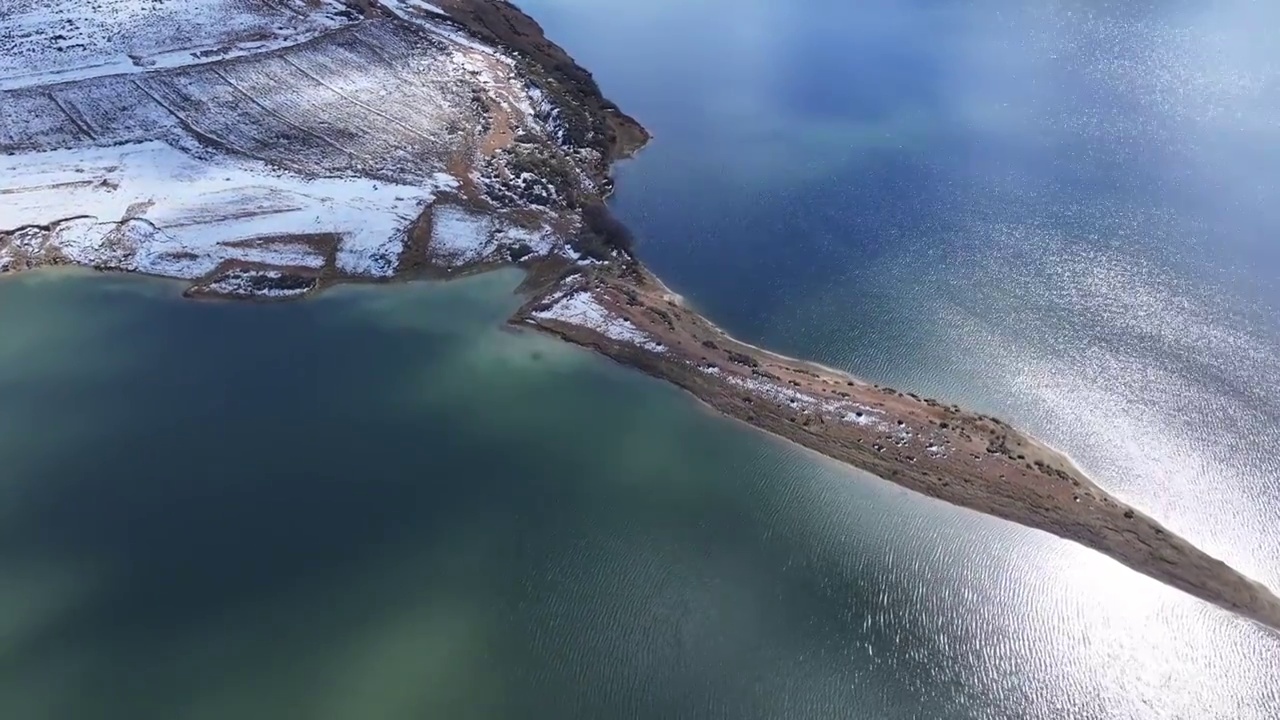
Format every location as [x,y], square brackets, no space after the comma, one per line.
[1143,635]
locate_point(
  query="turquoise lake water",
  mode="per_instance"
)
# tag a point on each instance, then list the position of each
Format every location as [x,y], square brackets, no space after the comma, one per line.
[383,504]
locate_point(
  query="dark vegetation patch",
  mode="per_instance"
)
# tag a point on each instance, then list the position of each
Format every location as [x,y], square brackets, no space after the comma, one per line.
[602,223]
[603,236]
[525,175]
[519,251]
[285,281]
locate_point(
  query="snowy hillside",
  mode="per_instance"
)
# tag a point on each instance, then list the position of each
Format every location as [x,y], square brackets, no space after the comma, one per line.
[252,134]
[47,41]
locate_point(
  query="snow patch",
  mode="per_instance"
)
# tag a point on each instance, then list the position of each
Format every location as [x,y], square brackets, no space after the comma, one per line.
[846,411]
[542,241]
[459,237]
[150,208]
[411,9]
[547,112]
[780,394]
[581,308]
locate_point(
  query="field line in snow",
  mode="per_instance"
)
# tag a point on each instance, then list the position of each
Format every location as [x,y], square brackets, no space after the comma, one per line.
[196,131]
[80,123]
[308,131]
[348,98]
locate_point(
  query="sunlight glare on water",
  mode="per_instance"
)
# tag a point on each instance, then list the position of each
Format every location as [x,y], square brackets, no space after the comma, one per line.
[1060,212]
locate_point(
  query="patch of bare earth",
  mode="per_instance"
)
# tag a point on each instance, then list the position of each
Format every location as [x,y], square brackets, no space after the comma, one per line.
[245,280]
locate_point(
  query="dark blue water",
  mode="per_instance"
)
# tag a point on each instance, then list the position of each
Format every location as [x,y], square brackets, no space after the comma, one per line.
[382,504]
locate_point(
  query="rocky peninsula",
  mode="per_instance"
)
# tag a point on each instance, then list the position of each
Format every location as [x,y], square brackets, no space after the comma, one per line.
[290,146]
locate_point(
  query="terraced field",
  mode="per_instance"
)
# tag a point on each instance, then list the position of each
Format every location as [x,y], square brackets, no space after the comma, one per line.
[340,138]
[47,42]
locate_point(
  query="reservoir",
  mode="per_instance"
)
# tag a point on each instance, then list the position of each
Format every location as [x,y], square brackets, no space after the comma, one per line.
[382,503]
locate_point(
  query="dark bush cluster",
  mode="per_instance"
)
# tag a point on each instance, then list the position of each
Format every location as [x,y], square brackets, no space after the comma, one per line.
[608,229]
[519,251]
[554,176]
[286,281]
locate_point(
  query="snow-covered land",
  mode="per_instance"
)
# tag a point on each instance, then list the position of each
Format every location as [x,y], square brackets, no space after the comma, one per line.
[314,158]
[49,41]
[411,9]
[581,308]
[150,208]
[848,411]
[460,236]
[539,242]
